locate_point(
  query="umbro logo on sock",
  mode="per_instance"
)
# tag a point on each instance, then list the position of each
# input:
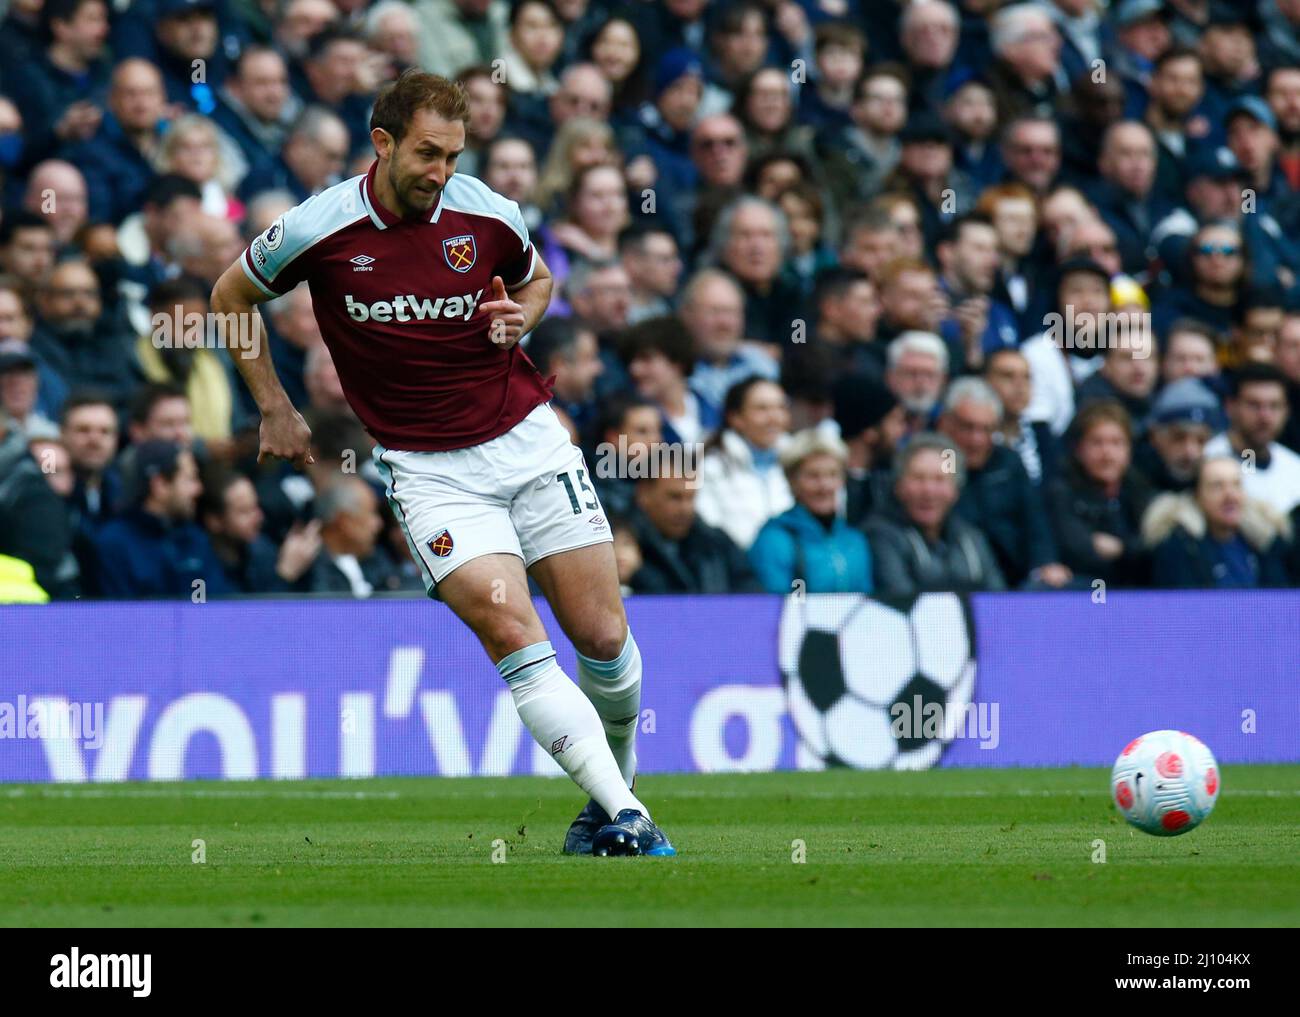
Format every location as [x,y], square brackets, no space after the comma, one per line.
[557,746]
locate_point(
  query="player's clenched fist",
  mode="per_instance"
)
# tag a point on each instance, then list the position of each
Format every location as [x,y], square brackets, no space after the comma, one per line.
[285,435]
[505,317]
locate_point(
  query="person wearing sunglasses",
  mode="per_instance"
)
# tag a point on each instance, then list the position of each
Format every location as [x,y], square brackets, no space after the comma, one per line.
[1219,271]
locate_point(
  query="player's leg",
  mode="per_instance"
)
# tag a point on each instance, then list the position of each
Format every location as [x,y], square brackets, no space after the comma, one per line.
[490,594]
[582,588]
[461,532]
[567,545]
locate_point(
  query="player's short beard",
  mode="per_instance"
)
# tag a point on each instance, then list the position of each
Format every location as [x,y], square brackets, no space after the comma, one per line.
[411,200]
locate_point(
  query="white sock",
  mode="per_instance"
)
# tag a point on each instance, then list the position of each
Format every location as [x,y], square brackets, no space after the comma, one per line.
[614,688]
[565,723]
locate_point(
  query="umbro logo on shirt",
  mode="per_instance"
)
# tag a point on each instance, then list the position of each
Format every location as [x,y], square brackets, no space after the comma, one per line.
[408,307]
[362,263]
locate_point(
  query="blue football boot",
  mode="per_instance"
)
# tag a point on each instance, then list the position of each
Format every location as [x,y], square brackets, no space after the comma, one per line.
[631,833]
[578,840]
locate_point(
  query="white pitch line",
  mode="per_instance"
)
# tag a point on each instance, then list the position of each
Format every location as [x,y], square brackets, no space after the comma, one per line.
[125,792]
[110,791]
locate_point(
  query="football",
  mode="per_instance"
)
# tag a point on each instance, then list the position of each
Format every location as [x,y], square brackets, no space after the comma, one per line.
[1165,782]
[847,660]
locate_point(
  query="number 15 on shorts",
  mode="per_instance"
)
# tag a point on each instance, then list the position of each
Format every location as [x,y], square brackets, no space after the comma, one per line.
[580,493]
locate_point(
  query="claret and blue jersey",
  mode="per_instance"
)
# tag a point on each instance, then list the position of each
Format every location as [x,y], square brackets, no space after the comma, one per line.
[398,305]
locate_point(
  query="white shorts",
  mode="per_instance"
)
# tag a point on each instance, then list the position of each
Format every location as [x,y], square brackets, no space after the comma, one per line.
[527,492]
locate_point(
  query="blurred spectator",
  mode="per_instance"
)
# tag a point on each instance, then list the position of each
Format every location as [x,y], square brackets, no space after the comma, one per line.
[255,105]
[660,356]
[178,352]
[510,167]
[848,315]
[488,98]
[765,108]
[1183,417]
[118,159]
[1031,151]
[1215,536]
[741,480]
[713,311]
[1082,301]
[998,496]
[628,430]
[977,324]
[1007,372]
[918,544]
[615,49]
[1257,411]
[52,456]
[1190,352]
[20,386]
[1013,210]
[1026,74]
[1219,273]
[321,380]
[1129,371]
[1097,504]
[654,268]
[917,374]
[457,33]
[928,33]
[33,523]
[871,423]
[567,351]
[681,553]
[351,560]
[57,191]
[1125,195]
[627,552]
[73,335]
[838,52]
[340,75]
[810,547]
[233,519]
[970,111]
[1286,358]
[532,48]
[60,91]
[751,240]
[926,173]
[89,431]
[27,248]
[145,240]
[194,149]
[154,549]
[857,157]
[312,158]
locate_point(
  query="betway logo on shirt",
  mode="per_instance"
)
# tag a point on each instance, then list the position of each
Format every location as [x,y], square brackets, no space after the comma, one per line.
[407,307]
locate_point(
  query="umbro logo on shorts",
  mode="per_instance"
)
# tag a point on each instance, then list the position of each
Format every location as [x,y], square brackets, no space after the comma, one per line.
[557,746]
[597,521]
[441,544]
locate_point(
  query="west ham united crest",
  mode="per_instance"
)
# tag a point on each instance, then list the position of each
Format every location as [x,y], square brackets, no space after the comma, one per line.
[441,544]
[460,252]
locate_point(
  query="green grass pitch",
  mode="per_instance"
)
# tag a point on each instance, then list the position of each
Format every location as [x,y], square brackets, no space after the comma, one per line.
[936,848]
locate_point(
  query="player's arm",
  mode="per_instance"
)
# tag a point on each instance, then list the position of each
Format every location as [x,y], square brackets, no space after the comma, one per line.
[513,313]
[283,434]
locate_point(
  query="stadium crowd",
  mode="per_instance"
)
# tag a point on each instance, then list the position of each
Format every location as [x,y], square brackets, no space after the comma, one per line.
[858,295]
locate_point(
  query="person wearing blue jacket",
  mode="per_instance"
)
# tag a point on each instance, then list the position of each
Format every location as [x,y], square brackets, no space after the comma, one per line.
[155,549]
[812,541]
